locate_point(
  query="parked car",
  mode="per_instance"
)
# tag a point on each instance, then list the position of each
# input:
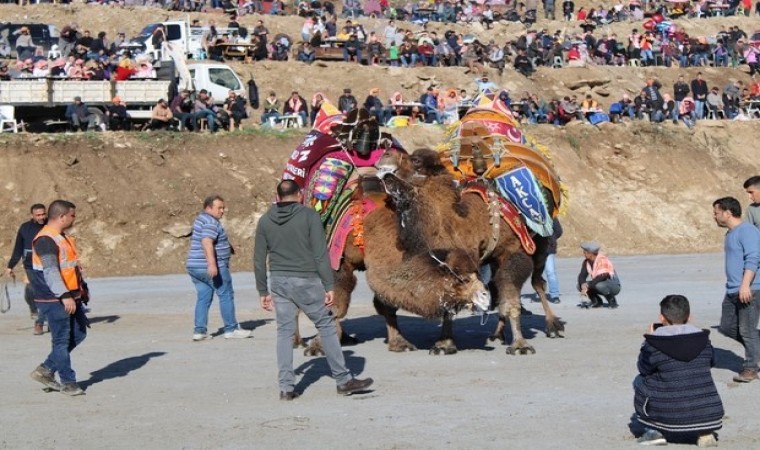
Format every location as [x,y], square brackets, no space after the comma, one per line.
[43,35]
[754,40]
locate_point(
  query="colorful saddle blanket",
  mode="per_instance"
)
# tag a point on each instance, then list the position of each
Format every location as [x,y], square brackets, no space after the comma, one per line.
[510,215]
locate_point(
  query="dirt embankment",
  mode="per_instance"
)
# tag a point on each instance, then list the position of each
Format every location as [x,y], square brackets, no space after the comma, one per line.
[636,187]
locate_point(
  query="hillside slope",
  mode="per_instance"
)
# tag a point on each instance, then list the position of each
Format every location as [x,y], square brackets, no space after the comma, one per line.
[638,188]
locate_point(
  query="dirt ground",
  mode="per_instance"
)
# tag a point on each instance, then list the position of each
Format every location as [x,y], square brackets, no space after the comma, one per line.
[149,386]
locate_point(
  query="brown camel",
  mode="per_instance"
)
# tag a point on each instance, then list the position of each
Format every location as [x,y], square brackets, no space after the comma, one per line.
[434,284]
[420,186]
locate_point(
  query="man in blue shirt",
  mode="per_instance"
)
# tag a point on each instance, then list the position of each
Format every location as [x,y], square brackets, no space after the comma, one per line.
[208,264]
[741,304]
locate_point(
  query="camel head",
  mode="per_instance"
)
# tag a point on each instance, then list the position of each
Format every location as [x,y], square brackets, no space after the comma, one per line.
[422,163]
[464,289]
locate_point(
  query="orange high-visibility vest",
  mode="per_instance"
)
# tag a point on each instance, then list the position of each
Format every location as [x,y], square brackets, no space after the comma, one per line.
[67,257]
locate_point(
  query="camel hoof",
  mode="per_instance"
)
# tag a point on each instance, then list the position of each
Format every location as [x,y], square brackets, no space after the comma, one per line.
[314,349]
[496,337]
[555,328]
[348,340]
[400,345]
[446,348]
[522,349]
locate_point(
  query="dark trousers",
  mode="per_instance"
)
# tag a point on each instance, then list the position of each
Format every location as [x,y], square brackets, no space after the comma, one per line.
[67,331]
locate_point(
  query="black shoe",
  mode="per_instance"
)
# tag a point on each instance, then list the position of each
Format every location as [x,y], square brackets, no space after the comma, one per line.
[554,300]
[355,385]
[613,302]
[288,396]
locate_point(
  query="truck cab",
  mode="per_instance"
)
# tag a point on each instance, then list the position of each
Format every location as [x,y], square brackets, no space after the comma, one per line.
[217,79]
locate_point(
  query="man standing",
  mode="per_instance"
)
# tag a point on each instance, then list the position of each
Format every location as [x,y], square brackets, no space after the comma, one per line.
[292,237]
[699,91]
[208,264]
[550,269]
[741,304]
[680,91]
[59,292]
[23,249]
[752,186]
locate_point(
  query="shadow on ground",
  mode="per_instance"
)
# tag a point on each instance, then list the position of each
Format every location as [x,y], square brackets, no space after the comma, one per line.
[470,333]
[120,368]
[316,368]
[249,325]
[106,319]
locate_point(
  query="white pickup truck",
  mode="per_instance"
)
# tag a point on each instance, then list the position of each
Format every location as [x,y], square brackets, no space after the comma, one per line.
[179,33]
[43,100]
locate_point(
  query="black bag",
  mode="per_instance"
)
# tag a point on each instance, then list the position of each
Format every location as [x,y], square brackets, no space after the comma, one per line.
[253,93]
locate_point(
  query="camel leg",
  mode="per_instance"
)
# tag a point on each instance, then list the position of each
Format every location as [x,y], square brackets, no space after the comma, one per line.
[345,282]
[445,344]
[396,342]
[297,339]
[554,326]
[510,277]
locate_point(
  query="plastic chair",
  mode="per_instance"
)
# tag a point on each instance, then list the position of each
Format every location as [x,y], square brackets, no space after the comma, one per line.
[634,62]
[8,119]
[558,62]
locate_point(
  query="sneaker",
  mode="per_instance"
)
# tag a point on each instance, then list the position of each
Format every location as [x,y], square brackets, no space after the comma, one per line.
[652,437]
[71,389]
[745,376]
[289,396]
[239,333]
[354,385]
[45,376]
[38,330]
[201,336]
[707,440]
[554,300]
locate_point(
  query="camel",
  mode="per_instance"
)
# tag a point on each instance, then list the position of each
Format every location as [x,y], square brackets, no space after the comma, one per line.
[420,186]
[435,284]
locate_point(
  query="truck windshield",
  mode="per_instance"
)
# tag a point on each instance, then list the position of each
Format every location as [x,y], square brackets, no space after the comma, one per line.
[147,31]
[224,77]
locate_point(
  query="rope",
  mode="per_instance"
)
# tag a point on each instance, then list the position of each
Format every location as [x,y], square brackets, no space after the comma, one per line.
[5,298]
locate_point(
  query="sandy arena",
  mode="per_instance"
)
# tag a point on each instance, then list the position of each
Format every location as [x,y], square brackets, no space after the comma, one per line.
[148,386]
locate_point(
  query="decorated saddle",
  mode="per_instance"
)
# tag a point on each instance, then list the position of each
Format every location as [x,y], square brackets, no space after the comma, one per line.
[328,166]
[488,145]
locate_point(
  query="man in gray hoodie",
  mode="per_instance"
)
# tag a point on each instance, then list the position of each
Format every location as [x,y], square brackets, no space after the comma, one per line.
[291,236]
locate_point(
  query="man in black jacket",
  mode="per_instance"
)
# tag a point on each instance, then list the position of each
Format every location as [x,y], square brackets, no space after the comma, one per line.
[699,91]
[680,91]
[347,102]
[23,249]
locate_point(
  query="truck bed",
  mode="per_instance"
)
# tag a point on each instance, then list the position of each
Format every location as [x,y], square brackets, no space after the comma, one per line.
[53,92]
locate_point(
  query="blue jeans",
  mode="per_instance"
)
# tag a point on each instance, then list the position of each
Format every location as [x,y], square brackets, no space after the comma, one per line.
[307,294]
[205,114]
[66,332]
[265,117]
[205,287]
[412,61]
[739,322]
[699,108]
[550,275]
